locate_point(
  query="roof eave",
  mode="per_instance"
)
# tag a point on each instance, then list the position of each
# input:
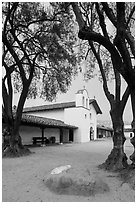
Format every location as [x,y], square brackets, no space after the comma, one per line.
[31,120]
[96,106]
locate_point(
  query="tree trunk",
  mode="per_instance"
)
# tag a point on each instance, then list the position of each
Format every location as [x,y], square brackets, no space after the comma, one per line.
[12,144]
[15,147]
[117,159]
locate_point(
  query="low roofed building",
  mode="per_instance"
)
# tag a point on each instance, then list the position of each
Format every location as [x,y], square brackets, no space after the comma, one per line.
[65,122]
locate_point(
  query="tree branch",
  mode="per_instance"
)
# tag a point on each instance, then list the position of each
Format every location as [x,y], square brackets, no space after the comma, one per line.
[102,21]
[21,46]
[86,34]
[8,15]
[117,85]
[14,55]
[6,102]
[4,93]
[15,5]
[120,16]
[78,14]
[105,87]
[130,16]
[109,13]
[8,76]
[112,18]
[9,70]
[125,98]
[131,41]
[128,69]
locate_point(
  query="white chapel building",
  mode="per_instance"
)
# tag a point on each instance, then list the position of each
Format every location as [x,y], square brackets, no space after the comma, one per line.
[74,121]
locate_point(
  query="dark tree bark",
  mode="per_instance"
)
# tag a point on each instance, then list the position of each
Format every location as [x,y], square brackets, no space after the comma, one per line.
[120,42]
[12,146]
[117,159]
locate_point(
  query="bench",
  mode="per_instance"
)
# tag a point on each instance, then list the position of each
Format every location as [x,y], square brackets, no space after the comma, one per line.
[45,140]
[39,140]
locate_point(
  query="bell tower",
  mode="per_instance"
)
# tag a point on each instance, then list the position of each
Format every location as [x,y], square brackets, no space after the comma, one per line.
[82,99]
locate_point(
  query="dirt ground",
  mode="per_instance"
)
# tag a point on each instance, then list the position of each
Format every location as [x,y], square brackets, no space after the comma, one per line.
[23,179]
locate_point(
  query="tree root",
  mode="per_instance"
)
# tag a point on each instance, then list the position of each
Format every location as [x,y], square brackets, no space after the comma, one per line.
[128,176]
[117,160]
[15,151]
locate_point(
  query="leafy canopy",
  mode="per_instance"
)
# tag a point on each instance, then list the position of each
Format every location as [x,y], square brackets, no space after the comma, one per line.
[42,38]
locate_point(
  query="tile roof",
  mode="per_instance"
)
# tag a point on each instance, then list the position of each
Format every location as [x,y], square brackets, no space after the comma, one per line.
[60,106]
[96,106]
[44,122]
[50,107]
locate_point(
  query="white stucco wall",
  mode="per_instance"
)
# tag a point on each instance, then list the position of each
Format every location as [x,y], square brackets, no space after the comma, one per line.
[78,100]
[79,117]
[93,120]
[53,114]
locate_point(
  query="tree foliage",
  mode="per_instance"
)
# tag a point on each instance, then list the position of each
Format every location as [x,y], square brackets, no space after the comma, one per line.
[42,38]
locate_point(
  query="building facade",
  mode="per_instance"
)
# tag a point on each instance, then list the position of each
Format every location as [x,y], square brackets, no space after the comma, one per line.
[66,122]
[103,131]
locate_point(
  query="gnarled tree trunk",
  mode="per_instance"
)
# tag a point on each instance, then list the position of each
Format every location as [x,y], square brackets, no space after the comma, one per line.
[117,159]
[14,147]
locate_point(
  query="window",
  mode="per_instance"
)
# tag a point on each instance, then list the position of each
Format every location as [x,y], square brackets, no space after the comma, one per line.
[86,103]
[90,116]
[83,101]
[85,116]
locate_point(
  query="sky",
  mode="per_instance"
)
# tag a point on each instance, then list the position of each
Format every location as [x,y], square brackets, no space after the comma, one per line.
[95,90]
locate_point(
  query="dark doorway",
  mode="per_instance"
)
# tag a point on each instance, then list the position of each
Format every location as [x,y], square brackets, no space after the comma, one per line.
[71,135]
[61,135]
[91,133]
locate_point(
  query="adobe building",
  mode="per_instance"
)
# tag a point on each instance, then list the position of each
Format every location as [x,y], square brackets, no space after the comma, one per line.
[65,122]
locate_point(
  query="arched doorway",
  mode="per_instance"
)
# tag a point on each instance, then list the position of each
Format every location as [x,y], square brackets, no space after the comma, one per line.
[91,133]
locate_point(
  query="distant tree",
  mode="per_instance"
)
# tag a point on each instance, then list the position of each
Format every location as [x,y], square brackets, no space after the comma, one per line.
[94,26]
[38,52]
